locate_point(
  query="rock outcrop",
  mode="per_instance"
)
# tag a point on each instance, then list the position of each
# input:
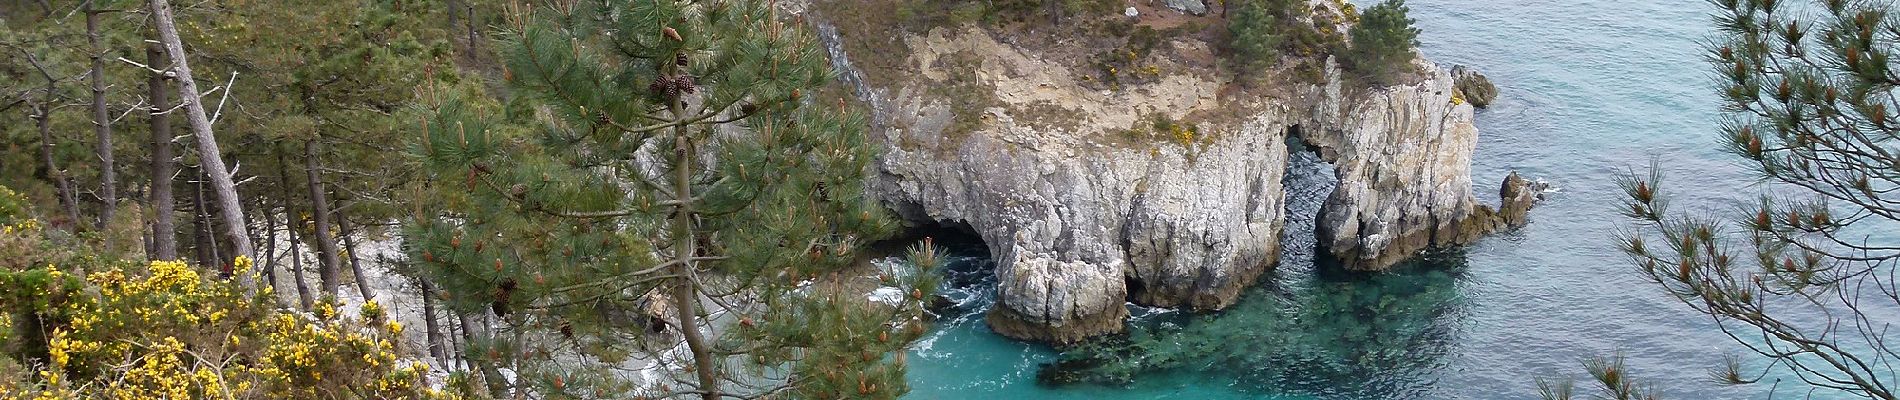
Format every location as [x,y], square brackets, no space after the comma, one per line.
[1474,87]
[1086,213]
[1193,7]
[1403,157]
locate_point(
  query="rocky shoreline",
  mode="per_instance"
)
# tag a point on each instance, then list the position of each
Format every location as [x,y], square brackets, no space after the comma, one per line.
[1082,221]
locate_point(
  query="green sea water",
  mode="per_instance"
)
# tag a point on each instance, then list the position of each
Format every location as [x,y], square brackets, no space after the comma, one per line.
[1590,88]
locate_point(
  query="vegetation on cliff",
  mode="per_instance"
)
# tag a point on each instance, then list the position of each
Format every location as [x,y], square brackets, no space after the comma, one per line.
[81,326]
[540,241]
[1383,42]
[1257,43]
[653,155]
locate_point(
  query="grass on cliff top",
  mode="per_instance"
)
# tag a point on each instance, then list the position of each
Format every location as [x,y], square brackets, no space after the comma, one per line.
[1100,46]
[1090,37]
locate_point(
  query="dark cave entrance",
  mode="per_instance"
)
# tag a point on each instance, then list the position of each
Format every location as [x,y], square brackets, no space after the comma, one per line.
[957,236]
[1310,180]
[968,268]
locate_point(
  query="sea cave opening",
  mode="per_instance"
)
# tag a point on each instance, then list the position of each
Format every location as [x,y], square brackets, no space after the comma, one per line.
[968,268]
[1308,182]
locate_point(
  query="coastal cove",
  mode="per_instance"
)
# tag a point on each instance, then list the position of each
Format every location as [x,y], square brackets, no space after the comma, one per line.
[1589,89]
[950,199]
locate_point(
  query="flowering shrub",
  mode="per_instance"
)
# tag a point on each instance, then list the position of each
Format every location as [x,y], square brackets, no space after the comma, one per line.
[124,330]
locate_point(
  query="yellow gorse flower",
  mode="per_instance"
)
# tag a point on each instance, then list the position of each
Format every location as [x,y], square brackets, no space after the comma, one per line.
[173,324]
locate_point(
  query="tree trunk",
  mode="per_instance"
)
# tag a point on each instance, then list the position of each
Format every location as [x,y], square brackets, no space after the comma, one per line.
[293,222]
[201,236]
[1054,8]
[486,376]
[42,117]
[472,36]
[685,291]
[270,246]
[356,266]
[216,259]
[320,212]
[164,228]
[452,332]
[102,128]
[455,25]
[61,182]
[211,160]
[433,330]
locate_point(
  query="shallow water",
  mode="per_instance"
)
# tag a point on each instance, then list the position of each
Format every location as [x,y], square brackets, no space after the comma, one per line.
[1590,88]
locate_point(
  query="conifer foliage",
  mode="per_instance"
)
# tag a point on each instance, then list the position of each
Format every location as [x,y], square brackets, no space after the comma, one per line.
[1254,35]
[660,173]
[1384,42]
[1805,280]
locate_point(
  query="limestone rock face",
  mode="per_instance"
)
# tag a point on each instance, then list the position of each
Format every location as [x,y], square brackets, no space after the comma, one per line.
[1403,157]
[1088,213]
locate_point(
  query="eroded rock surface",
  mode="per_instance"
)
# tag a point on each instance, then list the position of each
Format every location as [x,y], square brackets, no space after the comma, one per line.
[1474,87]
[1090,211]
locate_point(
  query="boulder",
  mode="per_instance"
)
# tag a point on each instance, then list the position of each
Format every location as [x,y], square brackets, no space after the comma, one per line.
[1193,7]
[1474,87]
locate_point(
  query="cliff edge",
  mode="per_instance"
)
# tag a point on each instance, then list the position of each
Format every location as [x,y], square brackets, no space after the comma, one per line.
[1150,176]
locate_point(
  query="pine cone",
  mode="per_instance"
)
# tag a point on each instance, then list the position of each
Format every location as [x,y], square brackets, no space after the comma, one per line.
[679,59]
[685,83]
[503,292]
[659,85]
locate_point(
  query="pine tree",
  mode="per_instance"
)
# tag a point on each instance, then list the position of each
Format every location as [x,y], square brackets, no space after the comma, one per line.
[1804,280]
[331,86]
[1383,42]
[164,234]
[1253,35]
[210,157]
[656,158]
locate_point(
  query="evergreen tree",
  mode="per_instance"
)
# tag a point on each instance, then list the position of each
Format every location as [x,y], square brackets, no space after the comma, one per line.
[211,159]
[1383,42]
[331,88]
[1254,36]
[1806,281]
[656,158]
[1262,33]
[41,70]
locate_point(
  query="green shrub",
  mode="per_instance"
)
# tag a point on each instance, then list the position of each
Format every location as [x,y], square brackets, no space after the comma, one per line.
[1253,36]
[967,13]
[1123,64]
[1261,32]
[1383,43]
[75,325]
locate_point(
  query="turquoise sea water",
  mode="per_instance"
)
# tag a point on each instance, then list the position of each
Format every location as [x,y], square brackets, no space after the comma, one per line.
[1590,88]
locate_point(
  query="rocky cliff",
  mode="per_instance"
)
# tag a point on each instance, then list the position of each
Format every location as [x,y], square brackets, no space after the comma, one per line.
[1164,191]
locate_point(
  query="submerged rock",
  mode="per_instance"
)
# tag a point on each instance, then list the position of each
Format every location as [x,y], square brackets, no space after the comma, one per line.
[1166,192]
